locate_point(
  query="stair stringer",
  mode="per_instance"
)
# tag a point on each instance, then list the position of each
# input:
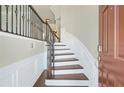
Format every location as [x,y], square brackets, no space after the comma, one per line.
[82,53]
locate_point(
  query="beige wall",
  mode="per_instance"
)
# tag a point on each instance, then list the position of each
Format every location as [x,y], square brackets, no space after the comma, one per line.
[16,48]
[82,21]
[44,12]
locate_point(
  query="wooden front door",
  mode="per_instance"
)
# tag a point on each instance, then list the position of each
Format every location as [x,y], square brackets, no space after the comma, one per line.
[111,46]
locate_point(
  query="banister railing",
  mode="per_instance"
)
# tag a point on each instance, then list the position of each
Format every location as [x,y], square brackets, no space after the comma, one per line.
[56,37]
[23,20]
[50,38]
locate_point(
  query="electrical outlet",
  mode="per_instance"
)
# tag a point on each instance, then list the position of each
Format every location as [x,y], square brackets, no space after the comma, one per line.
[32,45]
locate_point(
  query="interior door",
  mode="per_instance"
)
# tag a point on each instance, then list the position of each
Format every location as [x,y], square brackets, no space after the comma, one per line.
[111,46]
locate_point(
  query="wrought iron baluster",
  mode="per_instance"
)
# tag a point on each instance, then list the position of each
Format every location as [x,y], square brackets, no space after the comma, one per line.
[0,18]
[20,19]
[7,18]
[23,20]
[16,13]
[53,56]
[30,24]
[26,21]
[12,19]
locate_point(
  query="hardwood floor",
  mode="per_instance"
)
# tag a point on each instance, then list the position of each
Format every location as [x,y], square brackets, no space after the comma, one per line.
[41,80]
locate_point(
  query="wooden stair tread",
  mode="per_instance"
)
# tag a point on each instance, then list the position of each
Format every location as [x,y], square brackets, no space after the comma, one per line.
[63,49]
[68,67]
[66,59]
[61,54]
[55,45]
[59,45]
[70,77]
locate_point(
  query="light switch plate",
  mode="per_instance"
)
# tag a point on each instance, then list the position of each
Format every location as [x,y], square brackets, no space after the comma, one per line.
[32,45]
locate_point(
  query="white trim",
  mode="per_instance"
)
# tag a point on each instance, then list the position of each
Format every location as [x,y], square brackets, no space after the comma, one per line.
[63,51]
[65,56]
[67,63]
[82,53]
[70,71]
[23,73]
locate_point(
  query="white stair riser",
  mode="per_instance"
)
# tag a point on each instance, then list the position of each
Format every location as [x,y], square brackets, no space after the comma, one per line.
[57,43]
[66,63]
[67,82]
[60,47]
[65,56]
[70,71]
[62,51]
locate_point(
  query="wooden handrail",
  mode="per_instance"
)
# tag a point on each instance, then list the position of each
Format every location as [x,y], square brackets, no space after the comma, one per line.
[36,13]
[44,21]
[52,30]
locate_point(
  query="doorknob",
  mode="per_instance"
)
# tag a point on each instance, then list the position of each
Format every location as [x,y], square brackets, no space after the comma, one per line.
[99,48]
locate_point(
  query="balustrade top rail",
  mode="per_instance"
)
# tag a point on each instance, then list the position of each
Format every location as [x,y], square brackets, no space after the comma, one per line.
[23,20]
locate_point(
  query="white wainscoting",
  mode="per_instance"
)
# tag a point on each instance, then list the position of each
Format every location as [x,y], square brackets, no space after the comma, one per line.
[23,73]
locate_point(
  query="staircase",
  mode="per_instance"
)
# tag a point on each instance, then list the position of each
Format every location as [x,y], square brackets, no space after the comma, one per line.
[67,69]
